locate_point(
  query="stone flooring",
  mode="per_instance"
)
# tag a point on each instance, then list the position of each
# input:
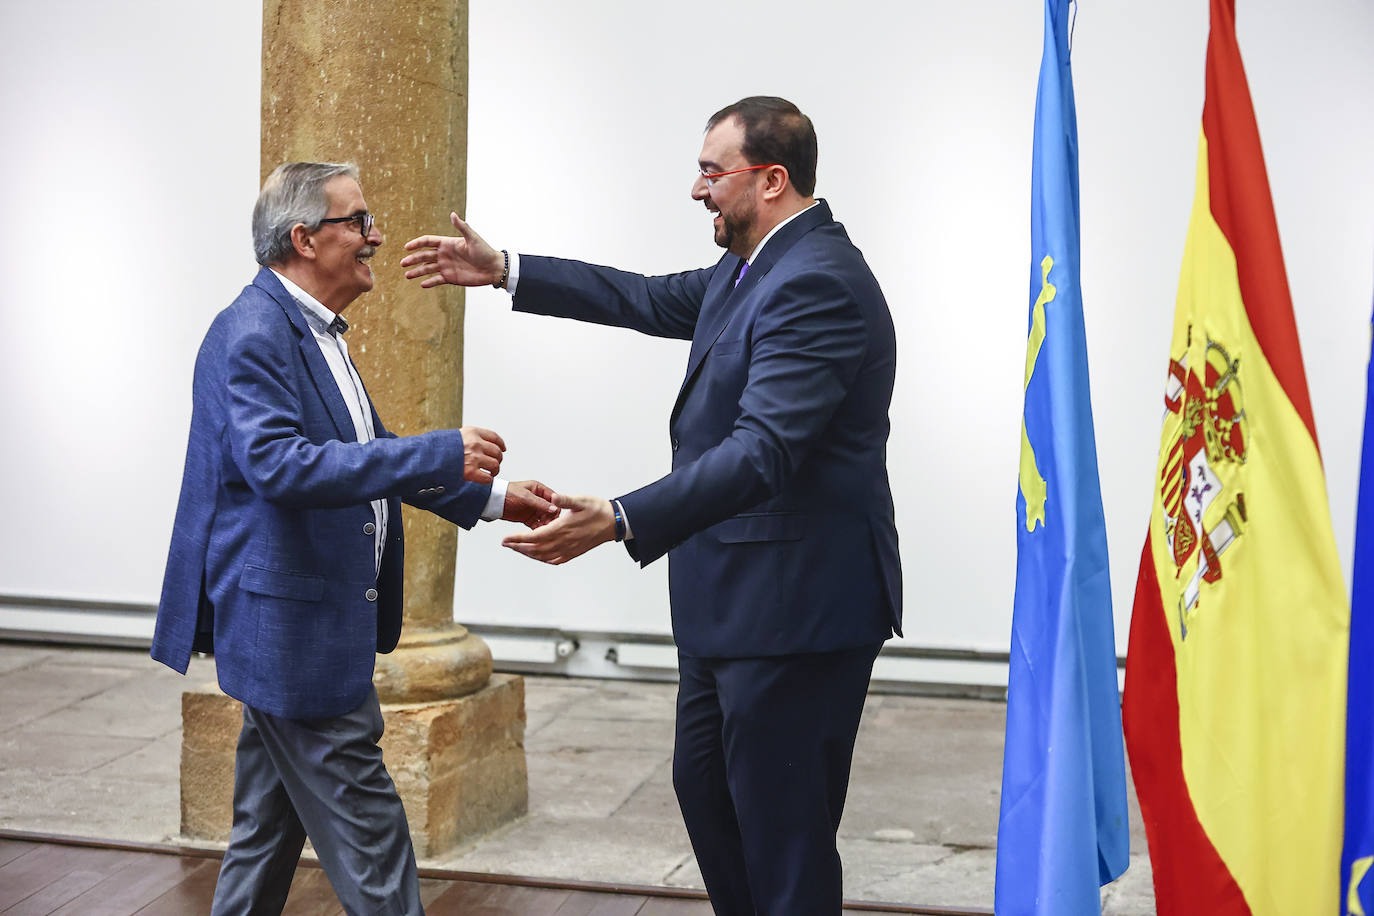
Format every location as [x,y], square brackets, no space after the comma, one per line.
[90,743]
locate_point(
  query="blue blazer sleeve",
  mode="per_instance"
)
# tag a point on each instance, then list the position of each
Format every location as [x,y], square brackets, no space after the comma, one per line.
[265,433]
[463,507]
[665,306]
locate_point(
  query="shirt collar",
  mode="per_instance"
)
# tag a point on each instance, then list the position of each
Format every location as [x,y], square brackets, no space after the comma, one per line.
[774,231]
[321,319]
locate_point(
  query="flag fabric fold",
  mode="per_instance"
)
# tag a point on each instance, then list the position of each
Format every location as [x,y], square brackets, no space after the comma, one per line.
[1236,676]
[1062,830]
[1357,886]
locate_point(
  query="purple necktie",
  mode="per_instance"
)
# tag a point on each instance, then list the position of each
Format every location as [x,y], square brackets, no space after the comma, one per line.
[743,269]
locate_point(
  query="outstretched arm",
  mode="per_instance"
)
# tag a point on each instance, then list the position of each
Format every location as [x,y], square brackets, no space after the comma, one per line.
[665,306]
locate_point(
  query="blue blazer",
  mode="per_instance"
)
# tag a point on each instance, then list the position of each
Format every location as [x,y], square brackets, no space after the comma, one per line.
[777,517]
[272,565]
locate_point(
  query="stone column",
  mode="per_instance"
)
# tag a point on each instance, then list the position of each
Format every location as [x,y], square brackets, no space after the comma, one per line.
[384,85]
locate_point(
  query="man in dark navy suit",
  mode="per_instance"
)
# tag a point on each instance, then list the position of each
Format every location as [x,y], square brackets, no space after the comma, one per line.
[287,552]
[777,516]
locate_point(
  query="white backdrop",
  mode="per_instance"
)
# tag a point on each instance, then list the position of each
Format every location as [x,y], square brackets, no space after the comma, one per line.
[130,166]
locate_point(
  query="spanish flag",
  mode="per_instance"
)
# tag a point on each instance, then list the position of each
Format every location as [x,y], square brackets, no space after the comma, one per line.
[1234,706]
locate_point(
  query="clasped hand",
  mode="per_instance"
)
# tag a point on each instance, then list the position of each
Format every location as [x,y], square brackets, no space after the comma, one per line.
[530,503]
[586,522]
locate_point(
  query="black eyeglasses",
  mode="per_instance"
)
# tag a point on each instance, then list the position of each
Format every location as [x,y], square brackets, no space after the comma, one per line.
[364,221]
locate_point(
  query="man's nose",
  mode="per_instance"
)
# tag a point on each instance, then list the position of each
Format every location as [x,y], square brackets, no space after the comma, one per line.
[374,236]
[700,189]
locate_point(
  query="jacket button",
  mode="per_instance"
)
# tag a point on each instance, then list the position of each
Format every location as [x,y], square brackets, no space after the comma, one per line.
[369,528]
[370,594]
[438,489]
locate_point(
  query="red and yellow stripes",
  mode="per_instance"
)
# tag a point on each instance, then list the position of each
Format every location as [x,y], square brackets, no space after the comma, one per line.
[1235,685]
[1241,205]
[1189,875]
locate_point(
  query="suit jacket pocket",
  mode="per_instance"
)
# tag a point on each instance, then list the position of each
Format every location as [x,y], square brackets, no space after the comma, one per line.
[759,526]
[727,347]
[297,587]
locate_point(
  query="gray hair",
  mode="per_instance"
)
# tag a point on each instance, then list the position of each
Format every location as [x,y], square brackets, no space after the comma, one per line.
[293,193]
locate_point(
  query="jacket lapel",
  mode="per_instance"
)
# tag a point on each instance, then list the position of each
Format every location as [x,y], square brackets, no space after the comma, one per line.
[325,385]
[723,297]
[715,311]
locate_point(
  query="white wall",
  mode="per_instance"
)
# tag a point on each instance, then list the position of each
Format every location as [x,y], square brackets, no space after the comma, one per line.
[585,122]
[130,166]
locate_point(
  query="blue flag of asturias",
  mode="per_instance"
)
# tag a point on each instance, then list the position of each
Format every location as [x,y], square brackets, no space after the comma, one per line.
[1357,885]
[1062,831]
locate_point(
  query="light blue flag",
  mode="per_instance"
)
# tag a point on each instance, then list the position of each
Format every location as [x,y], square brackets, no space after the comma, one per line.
[1357,884]
[1062,831]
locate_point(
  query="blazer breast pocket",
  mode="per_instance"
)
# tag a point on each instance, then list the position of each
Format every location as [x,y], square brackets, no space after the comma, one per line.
[294,586]
[727,347]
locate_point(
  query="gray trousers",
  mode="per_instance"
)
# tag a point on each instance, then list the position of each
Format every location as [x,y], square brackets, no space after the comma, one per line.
[321,778]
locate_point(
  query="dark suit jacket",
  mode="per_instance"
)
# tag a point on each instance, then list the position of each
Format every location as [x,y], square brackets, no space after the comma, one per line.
[777,515]
[272,564]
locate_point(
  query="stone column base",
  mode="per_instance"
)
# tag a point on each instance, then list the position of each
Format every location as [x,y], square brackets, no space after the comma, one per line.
[459,765]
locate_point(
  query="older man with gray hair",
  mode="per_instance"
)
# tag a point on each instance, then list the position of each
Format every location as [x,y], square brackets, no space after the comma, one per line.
[287,553]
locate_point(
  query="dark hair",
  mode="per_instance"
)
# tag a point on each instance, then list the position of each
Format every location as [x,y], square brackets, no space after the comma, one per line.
[775,130]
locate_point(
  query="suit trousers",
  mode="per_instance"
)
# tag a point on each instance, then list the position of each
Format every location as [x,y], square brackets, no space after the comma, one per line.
[761,769]
[321,778]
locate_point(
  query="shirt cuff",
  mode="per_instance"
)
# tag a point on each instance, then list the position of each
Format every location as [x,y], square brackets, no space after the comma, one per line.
[496,501]
[513,277]
[629,532]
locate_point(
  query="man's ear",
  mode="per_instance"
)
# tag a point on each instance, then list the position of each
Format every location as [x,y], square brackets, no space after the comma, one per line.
[775,181]
[303,242]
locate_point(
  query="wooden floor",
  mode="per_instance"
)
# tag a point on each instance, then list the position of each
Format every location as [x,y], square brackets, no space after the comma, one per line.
[42,875]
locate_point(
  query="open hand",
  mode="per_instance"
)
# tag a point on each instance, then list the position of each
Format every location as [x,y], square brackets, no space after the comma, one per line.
[587,522]
[465,260]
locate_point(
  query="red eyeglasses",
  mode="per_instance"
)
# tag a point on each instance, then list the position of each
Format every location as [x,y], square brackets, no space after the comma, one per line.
[712,176]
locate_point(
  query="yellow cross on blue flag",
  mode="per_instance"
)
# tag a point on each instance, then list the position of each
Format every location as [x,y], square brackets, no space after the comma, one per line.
[1062,831]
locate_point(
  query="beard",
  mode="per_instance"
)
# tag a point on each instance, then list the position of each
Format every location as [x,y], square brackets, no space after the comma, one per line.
[735,227]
